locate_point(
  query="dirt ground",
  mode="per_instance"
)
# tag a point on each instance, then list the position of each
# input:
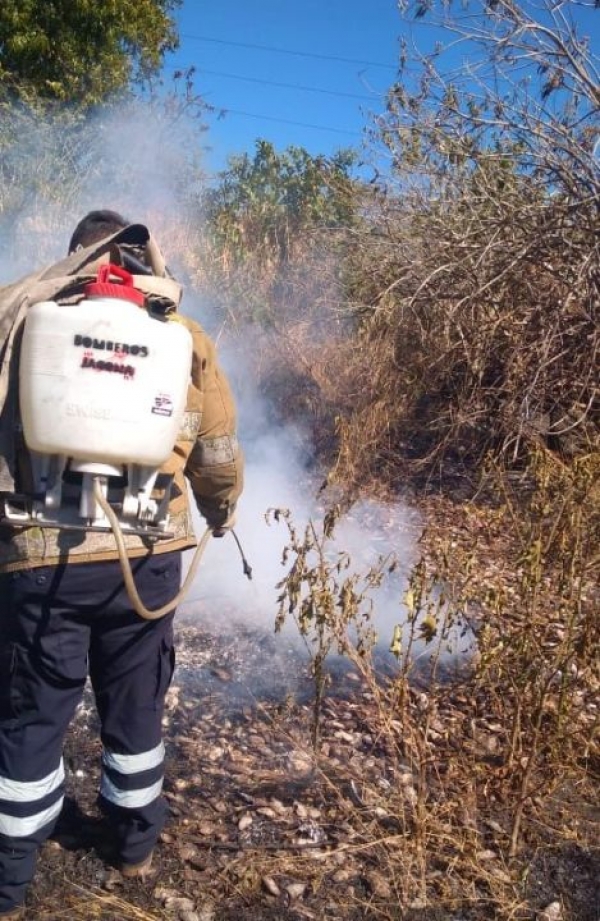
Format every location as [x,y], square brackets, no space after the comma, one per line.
[259,831]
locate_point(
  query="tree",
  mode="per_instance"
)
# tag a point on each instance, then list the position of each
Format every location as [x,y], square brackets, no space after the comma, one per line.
[81,51]
[268,204]
[518,80]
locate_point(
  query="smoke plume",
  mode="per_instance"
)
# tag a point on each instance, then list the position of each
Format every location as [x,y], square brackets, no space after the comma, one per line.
[139,162]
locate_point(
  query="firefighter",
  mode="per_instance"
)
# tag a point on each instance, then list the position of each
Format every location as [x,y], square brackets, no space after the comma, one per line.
[65,614]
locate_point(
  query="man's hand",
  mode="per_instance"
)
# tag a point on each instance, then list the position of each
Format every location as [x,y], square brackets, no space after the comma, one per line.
[219,520]
[221,530]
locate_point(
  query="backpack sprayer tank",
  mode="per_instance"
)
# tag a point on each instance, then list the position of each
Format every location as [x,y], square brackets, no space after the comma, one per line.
[102,389]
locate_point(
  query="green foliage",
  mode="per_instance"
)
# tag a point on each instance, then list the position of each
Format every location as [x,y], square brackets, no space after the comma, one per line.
[81,51]
[265,205]
[273,233]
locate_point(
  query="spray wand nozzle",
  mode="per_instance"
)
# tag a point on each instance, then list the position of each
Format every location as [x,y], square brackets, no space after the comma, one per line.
[246,565]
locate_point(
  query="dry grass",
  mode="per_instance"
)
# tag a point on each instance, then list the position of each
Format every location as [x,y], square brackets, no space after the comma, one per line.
[479,765]
[85,904]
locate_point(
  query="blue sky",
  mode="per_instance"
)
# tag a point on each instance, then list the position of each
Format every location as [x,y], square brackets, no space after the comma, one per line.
[307,73]
[229,44]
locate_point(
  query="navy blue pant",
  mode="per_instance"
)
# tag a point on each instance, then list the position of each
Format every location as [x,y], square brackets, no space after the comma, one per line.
[57,625]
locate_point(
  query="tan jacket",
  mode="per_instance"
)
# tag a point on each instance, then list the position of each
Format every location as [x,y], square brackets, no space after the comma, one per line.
[206,454]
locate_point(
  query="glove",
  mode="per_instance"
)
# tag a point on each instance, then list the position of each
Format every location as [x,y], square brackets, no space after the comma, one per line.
[220,520]
[224,528]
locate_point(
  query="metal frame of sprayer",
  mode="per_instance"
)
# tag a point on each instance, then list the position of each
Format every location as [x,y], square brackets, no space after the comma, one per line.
[137,512]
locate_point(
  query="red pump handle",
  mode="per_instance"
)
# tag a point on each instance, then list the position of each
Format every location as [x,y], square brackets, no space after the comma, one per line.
[121,290]
[108,271]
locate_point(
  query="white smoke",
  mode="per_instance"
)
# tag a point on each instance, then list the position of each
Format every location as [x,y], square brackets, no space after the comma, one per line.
[280,474]
[134,161]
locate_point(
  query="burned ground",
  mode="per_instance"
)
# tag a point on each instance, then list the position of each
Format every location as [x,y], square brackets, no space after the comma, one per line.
[262,829]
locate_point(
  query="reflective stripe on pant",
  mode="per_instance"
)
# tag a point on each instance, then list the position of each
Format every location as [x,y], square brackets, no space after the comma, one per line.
[55,622]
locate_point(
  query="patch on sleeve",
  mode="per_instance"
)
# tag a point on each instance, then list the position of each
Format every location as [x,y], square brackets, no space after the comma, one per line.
[190,426]
[214,452]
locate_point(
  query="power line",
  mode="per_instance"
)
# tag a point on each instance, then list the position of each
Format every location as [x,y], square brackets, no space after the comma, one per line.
[290,86]
[288,121]
[300,54]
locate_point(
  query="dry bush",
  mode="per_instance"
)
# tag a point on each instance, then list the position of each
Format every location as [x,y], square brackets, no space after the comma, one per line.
[478,281]
[489,334]
[479,761]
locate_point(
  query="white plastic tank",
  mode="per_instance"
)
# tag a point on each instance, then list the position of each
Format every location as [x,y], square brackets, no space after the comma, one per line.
[102,380]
